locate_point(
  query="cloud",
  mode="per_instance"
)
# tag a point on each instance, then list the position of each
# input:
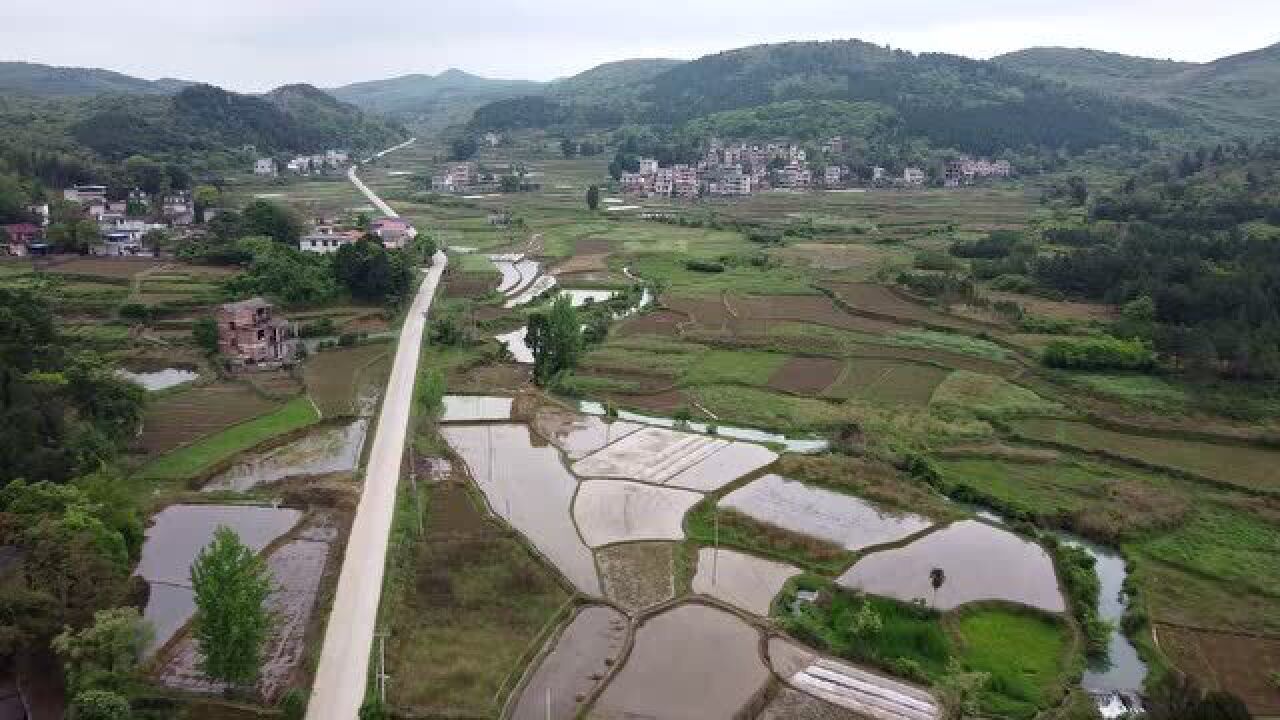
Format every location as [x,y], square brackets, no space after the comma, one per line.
[254,45]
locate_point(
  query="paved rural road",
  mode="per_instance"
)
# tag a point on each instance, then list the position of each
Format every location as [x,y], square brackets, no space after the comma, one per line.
[344,660]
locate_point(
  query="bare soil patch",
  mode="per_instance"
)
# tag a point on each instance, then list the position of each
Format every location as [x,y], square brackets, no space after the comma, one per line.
[1058,309]
[468,285]
[1240,664]
[659,322]
[815,309]
[665,402]
[710,313]
[880,300]
[637,576]
[806,375]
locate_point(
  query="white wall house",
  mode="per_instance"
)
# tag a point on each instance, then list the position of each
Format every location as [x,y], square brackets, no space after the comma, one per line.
[265,166]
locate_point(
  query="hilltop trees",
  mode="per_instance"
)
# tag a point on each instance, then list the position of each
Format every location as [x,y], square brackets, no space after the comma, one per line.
[231,621]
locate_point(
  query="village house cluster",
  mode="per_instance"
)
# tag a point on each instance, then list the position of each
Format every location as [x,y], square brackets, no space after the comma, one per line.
[122,224]
[469,177]
[303,164]
[740,169]
[328,236]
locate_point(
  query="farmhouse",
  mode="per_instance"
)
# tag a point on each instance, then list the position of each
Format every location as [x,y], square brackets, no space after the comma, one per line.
[326,240]
[913,176]
[19,237]
[394,233]
[265,166]
[249,337]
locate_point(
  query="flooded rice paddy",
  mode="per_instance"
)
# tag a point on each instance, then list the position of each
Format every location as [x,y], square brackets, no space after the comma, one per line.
[744,581]
[659,455]
[795,445]
[576,665]
[613,511]
[473,408]
[326,450]
[177,535]
[980,562]
[845,520]
[296,569]
[156,380]
[529,488]
[690,662]
[578,435]
[515,342]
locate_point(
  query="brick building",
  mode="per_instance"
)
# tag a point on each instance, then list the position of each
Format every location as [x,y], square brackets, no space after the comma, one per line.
[250,337]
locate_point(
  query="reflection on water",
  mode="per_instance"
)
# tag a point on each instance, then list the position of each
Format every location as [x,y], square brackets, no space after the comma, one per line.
[158,379]
[331,449]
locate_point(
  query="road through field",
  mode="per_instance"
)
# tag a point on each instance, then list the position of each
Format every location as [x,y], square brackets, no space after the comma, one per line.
[340,679]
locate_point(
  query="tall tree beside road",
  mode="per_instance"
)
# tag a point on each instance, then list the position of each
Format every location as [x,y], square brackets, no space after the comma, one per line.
[276,221]
[593,197]
[231,621]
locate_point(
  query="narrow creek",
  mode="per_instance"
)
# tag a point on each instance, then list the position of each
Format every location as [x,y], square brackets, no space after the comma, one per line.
[1115,681]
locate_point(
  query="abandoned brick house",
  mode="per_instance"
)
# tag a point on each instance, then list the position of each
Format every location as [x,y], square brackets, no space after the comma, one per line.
[249,337]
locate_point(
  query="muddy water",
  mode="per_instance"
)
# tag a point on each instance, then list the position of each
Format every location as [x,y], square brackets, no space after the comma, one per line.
[744,581]
[158,379]
[531,489]
[296,570]
[613,511]
[980,562]
[691,662]
[471,408]
[848,521]
[579,435]
[575,666]
[177,535]
[330,449]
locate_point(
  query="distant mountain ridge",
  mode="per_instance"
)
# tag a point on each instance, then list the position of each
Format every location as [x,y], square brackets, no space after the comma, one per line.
[1235,94]
[36,80]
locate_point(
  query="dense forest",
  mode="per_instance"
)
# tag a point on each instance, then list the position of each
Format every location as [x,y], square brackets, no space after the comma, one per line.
[1191,251]
[948,101]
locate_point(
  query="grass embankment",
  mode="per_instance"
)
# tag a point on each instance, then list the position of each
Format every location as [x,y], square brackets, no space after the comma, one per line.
[1024,653]
[464,601]
[189,461]
[738,530]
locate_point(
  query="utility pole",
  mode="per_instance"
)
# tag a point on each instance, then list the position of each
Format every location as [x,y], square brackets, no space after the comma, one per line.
[548,703]
[715,552]
[382,667]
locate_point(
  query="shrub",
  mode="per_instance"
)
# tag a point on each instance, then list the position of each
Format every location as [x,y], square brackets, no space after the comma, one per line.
[1099,353]
[136,312]
[317,328]
[1013,283]
[706,266]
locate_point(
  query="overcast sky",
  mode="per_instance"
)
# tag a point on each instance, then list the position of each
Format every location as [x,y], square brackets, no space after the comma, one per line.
[254,45]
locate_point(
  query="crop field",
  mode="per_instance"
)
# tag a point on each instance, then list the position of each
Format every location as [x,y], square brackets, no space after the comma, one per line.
[182,417]
[890,381]
[817,338]
[852,261]
[1250,467]
[881,301]
[1025,655]
[806,375]
[989,395]
[1233,546]
[1100,501]
[1243,665]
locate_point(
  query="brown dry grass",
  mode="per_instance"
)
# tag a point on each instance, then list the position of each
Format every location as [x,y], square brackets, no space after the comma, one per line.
[806,375]
[1240,664]
[637,575]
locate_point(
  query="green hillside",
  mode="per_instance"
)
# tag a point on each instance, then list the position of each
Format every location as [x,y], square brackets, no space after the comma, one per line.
[1233,95]
[35,80]
[431,100]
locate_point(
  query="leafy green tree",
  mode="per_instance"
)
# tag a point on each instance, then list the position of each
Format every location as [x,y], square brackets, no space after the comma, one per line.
[205,197]
[593,198]
[463,147]
[282,272]
[103,655]
[275,221]
[371,272]
[431,389]
[157,239]
[1077,190]
[937,577]
[73,236]
[555,339]
[205,333]
[231,622]
[146,174]
[99,705]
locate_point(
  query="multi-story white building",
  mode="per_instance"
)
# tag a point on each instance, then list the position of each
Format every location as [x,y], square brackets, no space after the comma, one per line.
[833,176]
[732,182]
[265,166]
[648,166]
[634,182]
[684,181]
[913,176]
[86,194]
[664,181]
[326,240]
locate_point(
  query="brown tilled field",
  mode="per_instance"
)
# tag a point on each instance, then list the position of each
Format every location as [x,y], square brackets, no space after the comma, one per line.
[709,313]
[880,300]
[887,380]
[1245,666]
[806,375]
[816,309]
[332,376]
[1057,309]
[658,322]
[468,285]
[180,418]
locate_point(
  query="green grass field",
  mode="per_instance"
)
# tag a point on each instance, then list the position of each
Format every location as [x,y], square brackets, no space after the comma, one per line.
[1024,654]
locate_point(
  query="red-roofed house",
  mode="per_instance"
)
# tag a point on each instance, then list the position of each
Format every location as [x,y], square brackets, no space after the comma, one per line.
[394,233]
[19,237]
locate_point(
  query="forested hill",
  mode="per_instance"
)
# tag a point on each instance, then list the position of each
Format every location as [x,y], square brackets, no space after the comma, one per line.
[946,100]
[203,118]
[35,80]
[1238,94]
[1192,252]
[432,100]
